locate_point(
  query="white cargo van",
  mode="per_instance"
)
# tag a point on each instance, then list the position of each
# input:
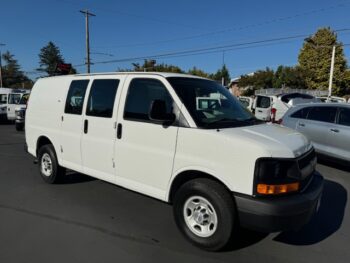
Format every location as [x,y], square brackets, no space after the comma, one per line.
[154,133]
[14,101]
[266,106]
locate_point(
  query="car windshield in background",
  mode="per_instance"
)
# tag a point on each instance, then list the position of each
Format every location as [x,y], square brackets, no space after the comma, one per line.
[210,104]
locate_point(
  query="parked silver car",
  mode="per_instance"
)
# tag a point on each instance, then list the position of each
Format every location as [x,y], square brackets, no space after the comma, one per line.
[327,125]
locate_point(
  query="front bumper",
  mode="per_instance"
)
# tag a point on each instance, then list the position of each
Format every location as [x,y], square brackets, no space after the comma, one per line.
[280,213]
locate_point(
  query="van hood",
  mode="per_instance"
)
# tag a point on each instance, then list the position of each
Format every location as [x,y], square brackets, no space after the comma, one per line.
[278,140]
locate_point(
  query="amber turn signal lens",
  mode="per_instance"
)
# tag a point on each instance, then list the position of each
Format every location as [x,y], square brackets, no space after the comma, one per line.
[275,189]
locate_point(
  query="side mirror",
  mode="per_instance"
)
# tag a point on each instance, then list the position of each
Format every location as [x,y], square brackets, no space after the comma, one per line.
[157,112]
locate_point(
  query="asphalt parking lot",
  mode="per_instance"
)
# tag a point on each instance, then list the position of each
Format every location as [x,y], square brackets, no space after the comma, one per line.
[87,220]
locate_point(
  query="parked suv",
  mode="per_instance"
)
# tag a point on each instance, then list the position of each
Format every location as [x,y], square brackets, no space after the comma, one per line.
[327,125]
[181,139]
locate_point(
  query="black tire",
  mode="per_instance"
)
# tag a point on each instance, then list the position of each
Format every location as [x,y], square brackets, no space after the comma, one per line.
[222,202]
[19,126]
[57,172]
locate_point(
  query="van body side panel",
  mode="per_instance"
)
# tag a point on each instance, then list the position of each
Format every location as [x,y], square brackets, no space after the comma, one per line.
[44,112]
[145,152]
[97,143]
[71,128]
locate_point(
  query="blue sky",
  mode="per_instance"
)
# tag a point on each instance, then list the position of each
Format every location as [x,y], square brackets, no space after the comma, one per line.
[128,29]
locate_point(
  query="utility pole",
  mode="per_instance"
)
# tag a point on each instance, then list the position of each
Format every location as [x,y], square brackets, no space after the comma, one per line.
[223,64]
[87,15]
[1,66]
[331,73]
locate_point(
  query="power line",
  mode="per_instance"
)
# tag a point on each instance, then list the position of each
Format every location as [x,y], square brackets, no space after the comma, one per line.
[263,23]
[137,16]
[210,49]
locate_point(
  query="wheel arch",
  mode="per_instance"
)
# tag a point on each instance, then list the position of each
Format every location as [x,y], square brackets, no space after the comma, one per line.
[41,141]
[187,175]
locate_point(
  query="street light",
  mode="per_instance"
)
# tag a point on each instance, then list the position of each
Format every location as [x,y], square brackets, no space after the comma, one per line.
[312,42]
[1,45]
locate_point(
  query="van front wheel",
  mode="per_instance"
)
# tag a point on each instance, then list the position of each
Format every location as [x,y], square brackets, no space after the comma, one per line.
[205,213]
[49,168]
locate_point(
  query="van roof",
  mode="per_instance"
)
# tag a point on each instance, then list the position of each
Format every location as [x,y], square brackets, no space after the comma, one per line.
[163,74]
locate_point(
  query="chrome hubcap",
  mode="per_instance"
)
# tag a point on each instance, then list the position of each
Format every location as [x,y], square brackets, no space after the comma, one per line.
[46,164]
[200,216]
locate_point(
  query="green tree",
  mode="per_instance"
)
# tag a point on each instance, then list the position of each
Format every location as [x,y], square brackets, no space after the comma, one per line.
[198,72]
[221,74]
[151,65]
[289,77]
[12,75]
[261,79]
[315,61]
[49,56]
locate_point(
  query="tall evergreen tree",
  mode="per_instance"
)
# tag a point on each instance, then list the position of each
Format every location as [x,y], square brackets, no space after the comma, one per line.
[12,75]
[49,57]
[315,60]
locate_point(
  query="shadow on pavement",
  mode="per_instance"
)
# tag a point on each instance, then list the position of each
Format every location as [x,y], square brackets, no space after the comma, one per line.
[326,222]
[334,163]
[75,178]
[244,238]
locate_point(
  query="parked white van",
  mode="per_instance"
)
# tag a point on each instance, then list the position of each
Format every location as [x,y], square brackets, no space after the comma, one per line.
[155,134]
[264,106]
[9,100]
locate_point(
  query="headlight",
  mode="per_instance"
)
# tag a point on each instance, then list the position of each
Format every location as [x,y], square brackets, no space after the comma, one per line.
[276,176]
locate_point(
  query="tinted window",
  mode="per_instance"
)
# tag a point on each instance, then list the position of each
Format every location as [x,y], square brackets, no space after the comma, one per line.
[141,93]
[101,98]
[344,116]
[288,97]
[263,102]
[75,97]
[301,114]
[325,114]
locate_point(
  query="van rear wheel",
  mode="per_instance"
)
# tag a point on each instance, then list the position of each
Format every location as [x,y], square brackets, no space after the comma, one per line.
[49,168]
[205,213]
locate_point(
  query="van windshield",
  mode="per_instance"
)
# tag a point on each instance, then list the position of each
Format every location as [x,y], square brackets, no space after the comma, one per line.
[210,104]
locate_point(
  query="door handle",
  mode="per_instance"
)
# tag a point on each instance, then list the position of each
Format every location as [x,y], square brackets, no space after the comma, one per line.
[119,130]
[259,110]
[86,126]
[334,130]
[302,124]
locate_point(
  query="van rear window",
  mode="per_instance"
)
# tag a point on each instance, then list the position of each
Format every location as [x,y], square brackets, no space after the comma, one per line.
[75,97]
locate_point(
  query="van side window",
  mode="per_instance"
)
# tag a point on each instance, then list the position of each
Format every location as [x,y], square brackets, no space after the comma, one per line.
[344,116]
[141,93]
[101,98]
[75,97]
[324,114]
